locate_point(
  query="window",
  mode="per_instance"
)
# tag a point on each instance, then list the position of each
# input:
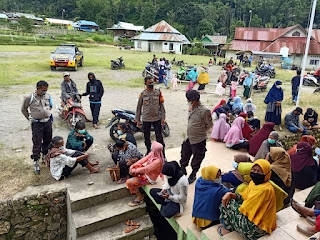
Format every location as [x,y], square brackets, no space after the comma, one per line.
[166,43]
[171,46]
[314,62]
[139,44]
[296,34]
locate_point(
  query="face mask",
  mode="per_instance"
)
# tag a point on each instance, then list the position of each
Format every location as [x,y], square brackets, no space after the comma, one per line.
[168,177]
[257,178]
[61,148]
[235,165]
[119,132]
[250,119]
[203,71]
[231,103]
[150,86]
[249,104]
[271,141]
[82,131]
[218,180]
[43,93]
[316,158]
[278,86]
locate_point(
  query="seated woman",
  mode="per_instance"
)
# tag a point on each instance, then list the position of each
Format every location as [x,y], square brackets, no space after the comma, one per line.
[125,132]
[237,107]
[234,138]
[281,171]
[173,195]
[79,139]
[218,109]
[63,161]
[263,134]
[253,122]
[306,138]
[208,187]
[249,106]
[304,167]
[128,154]
[312,117]
[145,171]
[252,213]
[233,178]
[221,104]
[272,141]
[246,130]
[220,128]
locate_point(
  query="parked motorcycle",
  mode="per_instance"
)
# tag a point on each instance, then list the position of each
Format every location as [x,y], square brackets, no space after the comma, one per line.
[180,63]
[116,64]
[128,117]
[261,82]
[72,111]
[151,70]
[267,70]
[310,80]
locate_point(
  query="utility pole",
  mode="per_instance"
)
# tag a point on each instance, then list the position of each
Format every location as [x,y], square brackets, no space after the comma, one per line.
[62,12]
[306,50]
[252,80]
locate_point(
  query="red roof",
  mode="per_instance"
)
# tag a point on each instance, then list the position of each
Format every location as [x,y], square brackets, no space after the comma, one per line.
[242,45]
[316,34]
[162,27]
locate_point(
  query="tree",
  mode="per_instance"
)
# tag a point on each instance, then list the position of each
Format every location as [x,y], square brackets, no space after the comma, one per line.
[26,24]
[204,27]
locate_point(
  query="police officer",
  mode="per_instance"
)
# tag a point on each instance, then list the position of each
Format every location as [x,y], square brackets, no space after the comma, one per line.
[150,103]
[199,122]
[40,104]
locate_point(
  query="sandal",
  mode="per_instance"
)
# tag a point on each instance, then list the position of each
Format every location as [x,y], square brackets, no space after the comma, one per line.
[136,203]
[130,229]
[219,230]
[311,220]
[122,180]
[305,230]
[131,223]
[291,200]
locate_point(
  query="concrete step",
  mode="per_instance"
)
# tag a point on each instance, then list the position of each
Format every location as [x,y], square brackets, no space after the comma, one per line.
[105,215]
[84,196]
[116,232]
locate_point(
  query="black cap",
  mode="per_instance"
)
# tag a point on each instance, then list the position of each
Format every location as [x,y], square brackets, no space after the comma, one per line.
[299,110]
[193,95]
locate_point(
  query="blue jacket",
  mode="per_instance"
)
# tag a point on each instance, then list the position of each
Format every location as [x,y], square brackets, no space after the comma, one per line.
[207,199]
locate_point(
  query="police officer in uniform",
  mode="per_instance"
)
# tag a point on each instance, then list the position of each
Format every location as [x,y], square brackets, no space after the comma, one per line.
[151,105]
[199,122]
[37,109]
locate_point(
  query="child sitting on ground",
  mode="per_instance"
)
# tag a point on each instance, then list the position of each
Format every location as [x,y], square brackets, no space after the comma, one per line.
[79,139]
[174,82]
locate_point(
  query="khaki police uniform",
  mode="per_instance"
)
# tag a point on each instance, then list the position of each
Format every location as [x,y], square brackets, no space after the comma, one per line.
[37,109]
[150,105]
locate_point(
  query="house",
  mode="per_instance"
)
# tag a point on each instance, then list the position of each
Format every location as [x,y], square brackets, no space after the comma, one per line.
[125,30]
[59,22]
[3,17]
[161,38]
[87,26]
[213,43]
[261,41]
[36,20]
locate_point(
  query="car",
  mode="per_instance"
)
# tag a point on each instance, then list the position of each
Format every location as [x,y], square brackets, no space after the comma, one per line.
[66,55]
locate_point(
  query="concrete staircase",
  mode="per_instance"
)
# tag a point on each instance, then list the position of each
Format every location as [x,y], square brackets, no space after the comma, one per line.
[100,211]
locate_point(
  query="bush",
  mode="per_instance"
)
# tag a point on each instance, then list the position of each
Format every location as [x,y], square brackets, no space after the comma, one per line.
[196,50]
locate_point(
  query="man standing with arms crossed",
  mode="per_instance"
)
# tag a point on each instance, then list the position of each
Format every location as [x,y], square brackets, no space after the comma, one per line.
[150,103]
[40,104]
[199,122]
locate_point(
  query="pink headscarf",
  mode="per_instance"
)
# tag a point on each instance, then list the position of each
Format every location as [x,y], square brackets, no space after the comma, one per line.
[235,133]
[220,128]
[156,153]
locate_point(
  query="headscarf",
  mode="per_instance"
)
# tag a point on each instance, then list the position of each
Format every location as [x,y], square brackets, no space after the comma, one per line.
[242,158]
[302,158]
[248,80]
[246,130]
[219,105]
[235,133]
[220,127]
[192,75]
[173,170]
[265,146]
[244,169]
[220,110]
[209,173]
[274,94]
[281,164]
[237,103]
[223,77]
[256,141]
[305,138]
[228,103]
[203,77]
[249,107]
[259,201]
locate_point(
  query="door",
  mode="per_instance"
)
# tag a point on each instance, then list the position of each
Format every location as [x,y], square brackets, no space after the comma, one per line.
[149,47]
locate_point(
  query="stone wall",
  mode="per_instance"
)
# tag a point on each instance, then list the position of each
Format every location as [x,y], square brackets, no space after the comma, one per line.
[42,216]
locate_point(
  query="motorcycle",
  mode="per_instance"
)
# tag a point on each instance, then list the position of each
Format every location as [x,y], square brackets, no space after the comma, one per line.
[310,80]
[267,70]
[129,118]
[261,82]
[180,63]
[151,70]
[116,64]
[72,111]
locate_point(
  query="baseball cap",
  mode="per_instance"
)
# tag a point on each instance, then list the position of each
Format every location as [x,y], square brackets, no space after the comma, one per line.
[66,74]
[299,110]
[193,95]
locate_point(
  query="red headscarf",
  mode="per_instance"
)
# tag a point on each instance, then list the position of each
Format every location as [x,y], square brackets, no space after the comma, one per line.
[302,158]
[219,105]
[306,138]
[256,141]
[246,130]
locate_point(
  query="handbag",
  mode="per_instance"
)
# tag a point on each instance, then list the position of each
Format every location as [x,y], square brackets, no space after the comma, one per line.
[224,85]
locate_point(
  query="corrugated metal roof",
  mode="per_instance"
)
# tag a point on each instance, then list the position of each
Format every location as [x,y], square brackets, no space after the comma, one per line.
[217,39]
[126,26]
[162,27]
[242,45]
[162,37]
[59,21]
[3,15]
[87,23]
[316,34]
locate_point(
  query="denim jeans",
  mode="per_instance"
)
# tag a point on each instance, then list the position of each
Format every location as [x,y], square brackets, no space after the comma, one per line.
[294,95]
[295,129]
[316,212]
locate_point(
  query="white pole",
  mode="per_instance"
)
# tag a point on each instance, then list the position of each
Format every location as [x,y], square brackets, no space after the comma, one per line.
[306,50]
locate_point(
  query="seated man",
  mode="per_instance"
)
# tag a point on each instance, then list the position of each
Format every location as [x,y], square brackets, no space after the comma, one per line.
[68,87]
[63,161]
[292,122]
[253,121]
[79,139]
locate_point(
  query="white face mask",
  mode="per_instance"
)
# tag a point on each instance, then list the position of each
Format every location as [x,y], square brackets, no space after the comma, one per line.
[218,180]
[168,177]
[278,86]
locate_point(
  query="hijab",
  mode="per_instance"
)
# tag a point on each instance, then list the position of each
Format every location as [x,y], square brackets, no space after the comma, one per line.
[305,138]
[302,158]
[250,106]
[281,164]
[246,130]
[228,103]
[256,141]
[220,128]
[241,158]
[240,172]
[248,80]
[209,173]
[223,77]
[237,103]
[173,170]
[219,105]
[275,94]
[193,75]
[235,133]
[265,146]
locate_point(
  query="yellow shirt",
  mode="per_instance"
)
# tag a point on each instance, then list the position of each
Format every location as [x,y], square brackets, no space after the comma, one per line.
[200,222]
[203,78]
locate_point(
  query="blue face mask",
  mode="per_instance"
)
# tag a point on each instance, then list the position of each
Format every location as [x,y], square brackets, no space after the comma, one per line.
[250,119]
[119,132]
[235,165]
[218,180]
[82,131]
[249,104]
[271,141]
[231,103]
[61,148]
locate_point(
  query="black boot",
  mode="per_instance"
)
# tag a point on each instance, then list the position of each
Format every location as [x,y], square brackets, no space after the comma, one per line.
[193,176]
[184,170]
